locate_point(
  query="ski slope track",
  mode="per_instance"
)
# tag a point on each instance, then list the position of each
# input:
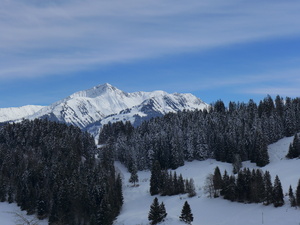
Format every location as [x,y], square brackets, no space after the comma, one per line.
[92,108]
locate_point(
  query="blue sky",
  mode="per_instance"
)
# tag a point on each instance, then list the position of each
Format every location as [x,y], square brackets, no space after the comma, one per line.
[230,50]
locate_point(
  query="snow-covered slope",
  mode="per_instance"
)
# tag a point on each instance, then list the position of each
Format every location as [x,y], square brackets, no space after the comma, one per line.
[137,200]
[92,108]
[16,113]
[216,211]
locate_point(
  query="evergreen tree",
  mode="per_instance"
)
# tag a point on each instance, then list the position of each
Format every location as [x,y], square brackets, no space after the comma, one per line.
[260,186]
[186,213]
[134,177]
[298,193]
[230,190]
[155,179]
[190,187]
[268,195]
[292,197]
[237,163]
[157,212]
[217,179]
[277,193]
[180,184]
[294,149]
[261,152]
[292,152]
[241,186]
[2,192]
[225,183]
[163,212]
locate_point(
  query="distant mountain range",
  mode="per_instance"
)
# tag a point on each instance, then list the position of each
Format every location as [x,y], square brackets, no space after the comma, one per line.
[92,108]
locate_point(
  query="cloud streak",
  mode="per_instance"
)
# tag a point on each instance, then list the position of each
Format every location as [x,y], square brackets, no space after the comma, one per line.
[58,37]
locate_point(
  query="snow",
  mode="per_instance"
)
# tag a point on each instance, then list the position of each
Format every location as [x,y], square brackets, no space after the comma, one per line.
[206,211]
[8,215]
[137,200]
[109,104]
[16,113]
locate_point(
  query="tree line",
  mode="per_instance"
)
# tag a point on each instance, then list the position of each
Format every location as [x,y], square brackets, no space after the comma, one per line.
[167,183]
[240,131]
[248,187]
[50,169]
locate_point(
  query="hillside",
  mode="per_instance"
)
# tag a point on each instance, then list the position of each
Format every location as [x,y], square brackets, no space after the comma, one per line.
[137,200]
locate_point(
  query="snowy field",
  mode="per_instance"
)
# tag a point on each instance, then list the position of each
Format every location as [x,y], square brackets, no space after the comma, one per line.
[10,214]
[214,211]
[206,211]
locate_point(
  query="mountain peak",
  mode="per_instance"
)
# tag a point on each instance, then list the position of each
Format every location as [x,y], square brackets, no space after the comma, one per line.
[96,91]
[105,103]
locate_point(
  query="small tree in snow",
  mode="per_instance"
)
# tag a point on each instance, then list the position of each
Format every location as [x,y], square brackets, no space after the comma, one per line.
[134,177]
[209,186]
[157,212]
[186,213]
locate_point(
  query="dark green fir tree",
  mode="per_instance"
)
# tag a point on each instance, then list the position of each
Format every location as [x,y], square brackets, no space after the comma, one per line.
[186,213]
[277,193]
[157,212]
[298,193]
[155,179]
[292,197]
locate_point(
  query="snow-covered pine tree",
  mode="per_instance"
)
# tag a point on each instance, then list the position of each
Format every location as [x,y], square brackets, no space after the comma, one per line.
[157,212]
[163,212]
[186,213]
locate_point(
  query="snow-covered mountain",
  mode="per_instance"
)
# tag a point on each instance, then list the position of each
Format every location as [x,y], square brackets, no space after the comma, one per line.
[92,108]
[16,113]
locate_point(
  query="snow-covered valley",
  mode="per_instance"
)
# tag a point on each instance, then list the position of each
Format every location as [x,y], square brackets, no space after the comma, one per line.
[216,211]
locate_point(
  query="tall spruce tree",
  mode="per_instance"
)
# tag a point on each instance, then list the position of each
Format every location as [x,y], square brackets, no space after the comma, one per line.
[292,197]
[298,193]
[277,193]
[155,179]
[186,213]
[217,180]
[268,195]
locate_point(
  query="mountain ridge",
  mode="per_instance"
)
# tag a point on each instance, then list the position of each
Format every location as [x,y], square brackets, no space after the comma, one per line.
[105,103]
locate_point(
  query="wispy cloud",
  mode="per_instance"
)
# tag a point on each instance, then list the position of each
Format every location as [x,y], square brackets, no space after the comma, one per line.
[56,37]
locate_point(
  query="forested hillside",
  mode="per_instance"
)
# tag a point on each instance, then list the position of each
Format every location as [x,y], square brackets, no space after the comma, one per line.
[50,169]
[231,134]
